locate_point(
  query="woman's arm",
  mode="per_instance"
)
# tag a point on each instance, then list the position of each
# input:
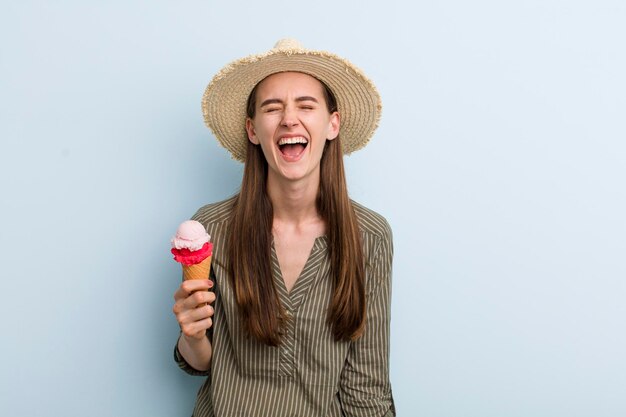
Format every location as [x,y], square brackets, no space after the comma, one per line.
[194,315]
[365,388]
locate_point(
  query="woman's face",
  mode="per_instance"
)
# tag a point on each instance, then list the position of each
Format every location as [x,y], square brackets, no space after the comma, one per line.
[292,124]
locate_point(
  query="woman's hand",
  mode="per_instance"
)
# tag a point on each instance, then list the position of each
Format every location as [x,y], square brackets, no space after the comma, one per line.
[192,308]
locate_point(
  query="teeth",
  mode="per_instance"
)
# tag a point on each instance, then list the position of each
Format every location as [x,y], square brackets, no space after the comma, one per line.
[291,141]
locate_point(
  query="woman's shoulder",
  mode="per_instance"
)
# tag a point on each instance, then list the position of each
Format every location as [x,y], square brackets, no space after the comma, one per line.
[377,242]
[213,213]
[372,223]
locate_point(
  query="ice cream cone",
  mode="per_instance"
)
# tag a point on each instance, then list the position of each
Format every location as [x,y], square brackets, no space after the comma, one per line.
[192,249]
[198,271]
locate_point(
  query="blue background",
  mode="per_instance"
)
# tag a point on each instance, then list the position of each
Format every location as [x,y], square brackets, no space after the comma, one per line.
[499,163]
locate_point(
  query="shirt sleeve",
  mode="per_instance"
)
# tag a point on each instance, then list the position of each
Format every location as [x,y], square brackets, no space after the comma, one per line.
[365,390]
[182,364]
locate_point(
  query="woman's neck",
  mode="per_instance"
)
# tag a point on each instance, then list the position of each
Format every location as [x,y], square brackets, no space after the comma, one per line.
[294,201]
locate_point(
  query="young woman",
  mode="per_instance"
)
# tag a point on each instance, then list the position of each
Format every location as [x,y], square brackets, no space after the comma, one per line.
[297,321]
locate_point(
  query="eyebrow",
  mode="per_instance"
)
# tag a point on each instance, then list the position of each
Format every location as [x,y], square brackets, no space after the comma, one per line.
[279,101]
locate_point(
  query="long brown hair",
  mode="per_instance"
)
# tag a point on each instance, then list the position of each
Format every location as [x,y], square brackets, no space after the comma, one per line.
[250,237]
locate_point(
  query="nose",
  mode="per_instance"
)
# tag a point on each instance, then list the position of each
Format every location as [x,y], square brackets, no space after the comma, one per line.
[290,118]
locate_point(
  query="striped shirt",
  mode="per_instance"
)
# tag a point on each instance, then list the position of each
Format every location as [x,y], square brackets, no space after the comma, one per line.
[309,374]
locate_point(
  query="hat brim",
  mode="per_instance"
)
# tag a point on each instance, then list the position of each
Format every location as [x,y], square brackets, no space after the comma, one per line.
[225,98]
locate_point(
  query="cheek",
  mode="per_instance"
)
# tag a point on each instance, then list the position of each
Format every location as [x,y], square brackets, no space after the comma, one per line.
[267,126]
[322,127]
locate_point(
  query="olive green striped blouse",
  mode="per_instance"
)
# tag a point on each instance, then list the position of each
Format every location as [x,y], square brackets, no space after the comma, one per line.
[309,374]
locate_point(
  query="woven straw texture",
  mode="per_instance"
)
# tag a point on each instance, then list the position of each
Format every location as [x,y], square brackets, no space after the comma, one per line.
[225,98]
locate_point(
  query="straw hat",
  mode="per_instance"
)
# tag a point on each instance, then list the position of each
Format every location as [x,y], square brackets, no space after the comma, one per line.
[225,98]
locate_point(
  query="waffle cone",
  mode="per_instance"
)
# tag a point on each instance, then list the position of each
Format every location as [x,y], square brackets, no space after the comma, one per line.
[198,271]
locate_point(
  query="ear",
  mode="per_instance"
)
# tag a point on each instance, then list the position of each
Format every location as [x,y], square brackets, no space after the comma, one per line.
[333,126]
[251,131]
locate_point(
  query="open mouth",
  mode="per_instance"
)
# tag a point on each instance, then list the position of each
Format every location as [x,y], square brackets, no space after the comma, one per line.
[292,147]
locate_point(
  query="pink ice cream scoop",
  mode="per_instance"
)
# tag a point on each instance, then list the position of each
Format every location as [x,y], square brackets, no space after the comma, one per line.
[191,247]
[190,235]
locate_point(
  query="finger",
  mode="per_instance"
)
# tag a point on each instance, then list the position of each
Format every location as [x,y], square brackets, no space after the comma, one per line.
[209,297]
[194,301]
[192,285]
[198,298]
[187,287]
[191,315]
[197,314]
[197,329]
